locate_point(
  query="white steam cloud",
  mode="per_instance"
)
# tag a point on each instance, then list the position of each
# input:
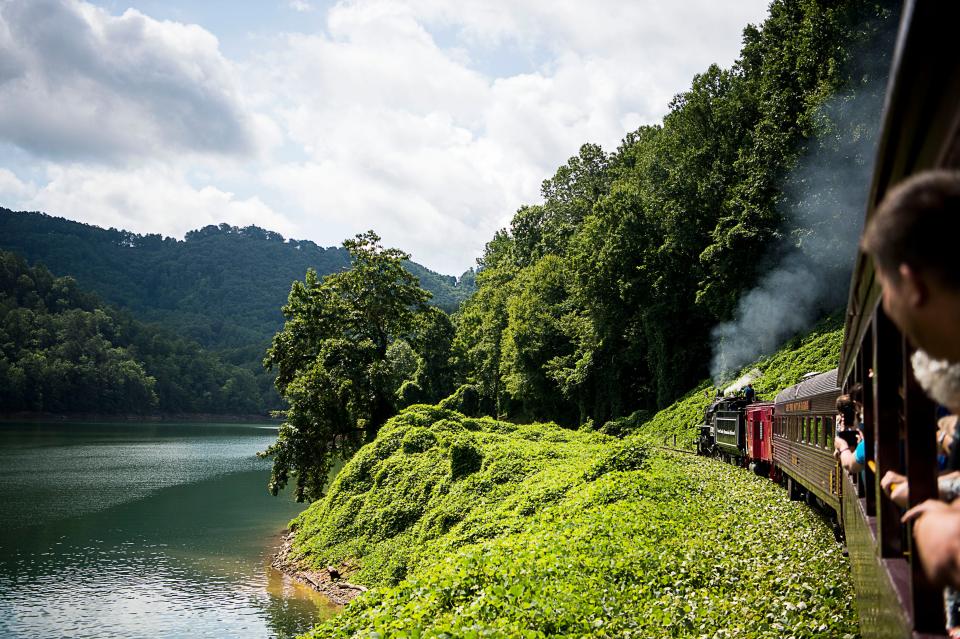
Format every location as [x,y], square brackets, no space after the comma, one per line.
[743,380]
[823,204]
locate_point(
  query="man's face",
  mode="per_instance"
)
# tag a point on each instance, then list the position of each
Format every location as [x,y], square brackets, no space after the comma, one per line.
[897,302]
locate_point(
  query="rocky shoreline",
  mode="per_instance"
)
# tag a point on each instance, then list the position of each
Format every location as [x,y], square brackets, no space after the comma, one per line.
[329,581]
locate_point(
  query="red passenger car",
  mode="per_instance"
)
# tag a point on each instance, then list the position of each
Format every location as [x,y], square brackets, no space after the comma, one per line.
[760,437]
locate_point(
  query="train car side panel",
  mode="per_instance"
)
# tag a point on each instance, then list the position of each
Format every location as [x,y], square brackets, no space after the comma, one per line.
[880,609]
[803,436]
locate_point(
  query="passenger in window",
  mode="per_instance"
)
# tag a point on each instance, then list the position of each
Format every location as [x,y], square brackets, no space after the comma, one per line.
[912,239]
[895,484]
[848,446]
[939,553]
[856,395]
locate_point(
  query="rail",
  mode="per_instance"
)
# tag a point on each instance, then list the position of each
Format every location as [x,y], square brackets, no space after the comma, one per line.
[664,446]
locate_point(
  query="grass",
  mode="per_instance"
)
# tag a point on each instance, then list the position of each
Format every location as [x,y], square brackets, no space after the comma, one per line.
[675,547]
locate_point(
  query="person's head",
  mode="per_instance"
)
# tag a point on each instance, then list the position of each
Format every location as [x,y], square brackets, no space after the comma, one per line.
[946,431]
[856,394]
[847,410]
[913,238]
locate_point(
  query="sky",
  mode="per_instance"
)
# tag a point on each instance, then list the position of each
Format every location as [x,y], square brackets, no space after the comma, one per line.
[428,121]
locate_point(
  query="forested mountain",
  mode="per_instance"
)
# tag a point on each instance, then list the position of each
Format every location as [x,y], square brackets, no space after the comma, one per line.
[222,286]
[64,351]
[601,301]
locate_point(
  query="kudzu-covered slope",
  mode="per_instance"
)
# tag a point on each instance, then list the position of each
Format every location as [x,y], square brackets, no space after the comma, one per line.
[480,528]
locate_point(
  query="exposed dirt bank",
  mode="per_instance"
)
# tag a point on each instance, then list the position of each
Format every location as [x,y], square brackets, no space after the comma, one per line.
[330,581]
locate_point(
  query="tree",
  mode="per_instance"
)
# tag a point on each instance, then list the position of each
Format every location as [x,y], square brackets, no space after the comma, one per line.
[332,364]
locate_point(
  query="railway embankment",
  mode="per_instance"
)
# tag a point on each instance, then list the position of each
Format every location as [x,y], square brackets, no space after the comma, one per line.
[464,527]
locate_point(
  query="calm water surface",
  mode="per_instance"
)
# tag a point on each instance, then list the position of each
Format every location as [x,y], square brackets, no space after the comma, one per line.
[143,530]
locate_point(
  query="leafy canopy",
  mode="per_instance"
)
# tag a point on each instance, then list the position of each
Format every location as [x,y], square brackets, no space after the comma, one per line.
[333,363]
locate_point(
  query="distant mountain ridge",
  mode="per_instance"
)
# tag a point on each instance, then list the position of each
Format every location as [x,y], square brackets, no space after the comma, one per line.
[222,286]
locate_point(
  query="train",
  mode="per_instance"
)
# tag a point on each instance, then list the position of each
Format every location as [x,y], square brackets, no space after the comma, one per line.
[790,439]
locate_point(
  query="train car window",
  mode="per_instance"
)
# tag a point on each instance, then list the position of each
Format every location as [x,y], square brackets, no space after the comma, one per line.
[818,434]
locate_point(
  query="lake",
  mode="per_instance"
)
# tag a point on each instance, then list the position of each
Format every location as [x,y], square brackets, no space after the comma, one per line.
[144,530]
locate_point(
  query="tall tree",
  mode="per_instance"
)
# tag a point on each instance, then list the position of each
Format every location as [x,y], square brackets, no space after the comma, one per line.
[331,361]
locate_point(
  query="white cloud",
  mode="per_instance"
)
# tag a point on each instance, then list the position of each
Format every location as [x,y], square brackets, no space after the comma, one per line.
[410,138]
[300,5]
[79,83]
[146,200]
[406,117]
[12,189]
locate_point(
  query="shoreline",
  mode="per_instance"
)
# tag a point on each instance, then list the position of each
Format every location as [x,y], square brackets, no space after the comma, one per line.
[337,590]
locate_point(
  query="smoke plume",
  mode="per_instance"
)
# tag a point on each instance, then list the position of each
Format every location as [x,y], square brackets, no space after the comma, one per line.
[743,380]
[824,199]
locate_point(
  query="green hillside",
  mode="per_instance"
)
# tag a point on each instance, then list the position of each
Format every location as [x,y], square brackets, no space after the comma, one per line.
[473,527]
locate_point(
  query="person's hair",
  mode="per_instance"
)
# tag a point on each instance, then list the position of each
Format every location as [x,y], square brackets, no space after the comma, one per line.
[846,408]
[918,223]
[856,393]
[939,379]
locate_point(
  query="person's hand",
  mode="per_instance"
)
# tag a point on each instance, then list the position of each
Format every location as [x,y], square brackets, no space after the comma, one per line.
[930,506]
[839,444]
[895,485]
[891,477]
[936,531]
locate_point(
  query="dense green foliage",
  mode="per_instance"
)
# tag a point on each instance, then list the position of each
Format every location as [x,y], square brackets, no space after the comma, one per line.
[344,360]
[566,534]
[221,286]
[62,351]
[601,301]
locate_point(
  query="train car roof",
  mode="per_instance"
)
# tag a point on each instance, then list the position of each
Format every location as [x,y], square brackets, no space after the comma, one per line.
[920,131]
[810,387]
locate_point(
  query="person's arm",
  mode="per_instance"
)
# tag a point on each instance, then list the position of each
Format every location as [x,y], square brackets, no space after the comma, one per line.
[895,485]
[936,531]
[851,460]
